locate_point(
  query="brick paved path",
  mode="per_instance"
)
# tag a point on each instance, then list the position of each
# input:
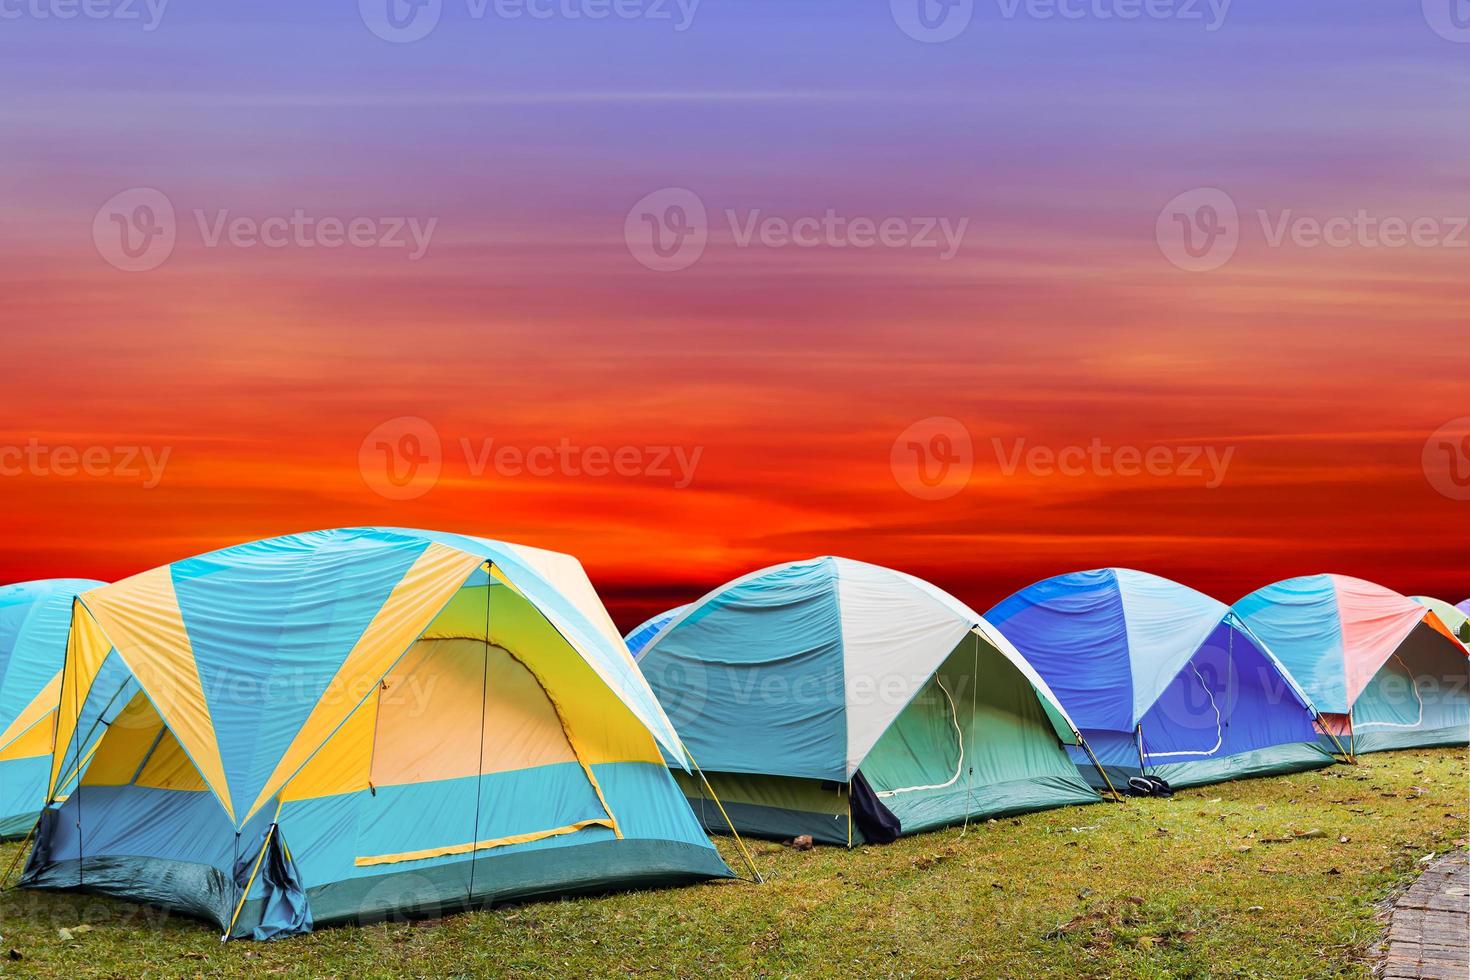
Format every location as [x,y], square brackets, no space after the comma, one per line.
[1429,934]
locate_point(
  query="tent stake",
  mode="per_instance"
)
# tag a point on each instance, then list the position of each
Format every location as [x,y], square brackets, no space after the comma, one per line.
[728,822]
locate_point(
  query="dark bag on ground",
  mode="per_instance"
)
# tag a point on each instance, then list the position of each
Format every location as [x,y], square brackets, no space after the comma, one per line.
[1149,786]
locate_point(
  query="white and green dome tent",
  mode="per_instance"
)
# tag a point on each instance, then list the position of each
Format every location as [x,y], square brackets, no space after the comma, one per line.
[827,696]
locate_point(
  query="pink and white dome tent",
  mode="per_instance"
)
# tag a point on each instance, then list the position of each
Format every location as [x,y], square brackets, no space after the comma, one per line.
[1385,671]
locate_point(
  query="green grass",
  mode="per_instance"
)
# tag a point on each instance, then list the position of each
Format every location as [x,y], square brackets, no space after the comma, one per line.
[1215,882]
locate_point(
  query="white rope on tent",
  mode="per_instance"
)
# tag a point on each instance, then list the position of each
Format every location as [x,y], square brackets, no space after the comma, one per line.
[1219,729]
[954,719]
[1399,724]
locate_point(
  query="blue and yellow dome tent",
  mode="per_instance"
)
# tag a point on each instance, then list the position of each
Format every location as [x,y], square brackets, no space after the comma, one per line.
[828,695]
[34,619]
[1162,678]
[345,724]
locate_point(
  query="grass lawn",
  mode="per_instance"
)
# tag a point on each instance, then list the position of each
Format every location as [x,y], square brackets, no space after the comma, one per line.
[1264,878]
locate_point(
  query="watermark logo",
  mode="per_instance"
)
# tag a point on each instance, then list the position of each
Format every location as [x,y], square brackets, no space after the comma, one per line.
[1208,464]
[401,459]
[673,464]
[300,229]
[1450,19]
[1209,13]
[1199,230]
[833,230]
[667,230]
[406,21]
[937,21]
[1446,459]
[147,14]
[932,21]
[139,464]
[401,21]
[135,230]
[402,897]
[1362,229]
[933,458]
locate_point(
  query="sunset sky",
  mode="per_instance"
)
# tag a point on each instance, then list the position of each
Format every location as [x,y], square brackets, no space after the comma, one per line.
[522,144]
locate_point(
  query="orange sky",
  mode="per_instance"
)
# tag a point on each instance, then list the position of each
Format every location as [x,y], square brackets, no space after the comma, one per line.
[791,371]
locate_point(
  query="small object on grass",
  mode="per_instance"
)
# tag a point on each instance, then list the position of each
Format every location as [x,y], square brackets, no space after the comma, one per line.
[64,935]
[1310,834]
[802,843]
[16,954]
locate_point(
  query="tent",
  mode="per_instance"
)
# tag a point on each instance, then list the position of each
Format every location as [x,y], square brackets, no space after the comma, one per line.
[34,617]
[355,723]
[851,702]
[1162,679]
[1383,669]
[1457,620]
[644,631]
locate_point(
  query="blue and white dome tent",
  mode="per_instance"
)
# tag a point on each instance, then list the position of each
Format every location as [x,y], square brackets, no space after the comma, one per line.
[1161,678]
[852,702]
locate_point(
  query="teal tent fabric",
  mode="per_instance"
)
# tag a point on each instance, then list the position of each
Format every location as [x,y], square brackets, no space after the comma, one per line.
[789,682]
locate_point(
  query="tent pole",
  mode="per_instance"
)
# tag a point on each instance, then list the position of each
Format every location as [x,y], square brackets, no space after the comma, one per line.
[250,882]
[849,814]
[480,758]
[76,724]
[728,822]
[1100,770]
[5,882]
[970,773]
[1328,732]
